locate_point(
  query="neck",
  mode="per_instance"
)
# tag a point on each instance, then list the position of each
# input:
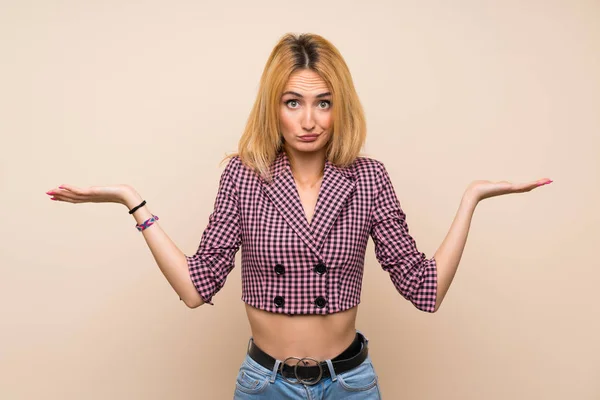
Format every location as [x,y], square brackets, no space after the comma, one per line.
[307,168]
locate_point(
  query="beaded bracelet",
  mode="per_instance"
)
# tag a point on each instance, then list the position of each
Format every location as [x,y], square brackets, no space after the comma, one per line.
[146,223]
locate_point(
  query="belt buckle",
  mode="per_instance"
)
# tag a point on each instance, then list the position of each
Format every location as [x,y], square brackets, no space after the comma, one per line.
[309,382]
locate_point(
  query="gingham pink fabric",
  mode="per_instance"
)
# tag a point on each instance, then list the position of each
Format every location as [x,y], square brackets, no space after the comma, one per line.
[293,267]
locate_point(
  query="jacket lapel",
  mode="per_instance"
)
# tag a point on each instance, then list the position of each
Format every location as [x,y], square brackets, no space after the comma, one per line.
[338,183]
[284,195]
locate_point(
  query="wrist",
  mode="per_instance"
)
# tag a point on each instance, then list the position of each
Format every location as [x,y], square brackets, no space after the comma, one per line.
[470,198]
[131,198]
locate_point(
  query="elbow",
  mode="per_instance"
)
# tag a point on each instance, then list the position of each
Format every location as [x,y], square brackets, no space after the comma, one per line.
[433,308]
[424,305]
[434,305]
[426,300]
[194,305]
[439,299]
[192,301]
[427,308]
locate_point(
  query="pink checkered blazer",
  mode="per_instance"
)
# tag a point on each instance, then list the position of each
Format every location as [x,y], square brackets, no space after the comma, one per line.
[293,267]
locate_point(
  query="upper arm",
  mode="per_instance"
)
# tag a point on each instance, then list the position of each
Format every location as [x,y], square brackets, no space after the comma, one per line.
[413,275]
[220,240]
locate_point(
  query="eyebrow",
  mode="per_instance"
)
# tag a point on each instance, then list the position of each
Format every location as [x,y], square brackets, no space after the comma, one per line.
[299,95]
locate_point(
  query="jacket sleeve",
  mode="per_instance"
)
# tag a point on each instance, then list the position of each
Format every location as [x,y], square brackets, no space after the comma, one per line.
[413,275]
[221,239]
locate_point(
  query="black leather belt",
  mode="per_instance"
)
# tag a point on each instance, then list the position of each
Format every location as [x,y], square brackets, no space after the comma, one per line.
[310,371]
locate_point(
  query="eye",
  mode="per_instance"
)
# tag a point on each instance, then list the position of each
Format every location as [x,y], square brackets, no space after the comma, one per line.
[291,101]
[325,102]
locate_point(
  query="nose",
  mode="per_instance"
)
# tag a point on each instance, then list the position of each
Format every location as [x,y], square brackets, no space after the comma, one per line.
[308,122]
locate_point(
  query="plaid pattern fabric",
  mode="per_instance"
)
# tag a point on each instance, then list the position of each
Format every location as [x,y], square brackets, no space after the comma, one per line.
[293,267]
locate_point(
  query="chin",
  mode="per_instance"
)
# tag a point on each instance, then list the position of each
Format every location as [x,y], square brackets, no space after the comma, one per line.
[308,147]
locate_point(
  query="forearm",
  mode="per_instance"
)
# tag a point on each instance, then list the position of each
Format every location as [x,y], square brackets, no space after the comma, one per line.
[170,259]
[449,253]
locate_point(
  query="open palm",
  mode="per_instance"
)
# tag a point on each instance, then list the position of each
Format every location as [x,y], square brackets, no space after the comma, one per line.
[92,194]
[482,189]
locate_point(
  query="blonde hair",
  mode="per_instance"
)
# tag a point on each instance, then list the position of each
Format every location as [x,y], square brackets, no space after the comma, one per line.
[261,141]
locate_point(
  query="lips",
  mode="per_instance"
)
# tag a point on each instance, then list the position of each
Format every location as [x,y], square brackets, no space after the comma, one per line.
[308,138]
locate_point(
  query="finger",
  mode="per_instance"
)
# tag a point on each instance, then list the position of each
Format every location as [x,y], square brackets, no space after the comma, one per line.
[82,194]
[69,196]
[65,187]
[522,187]
[72,189]
[544,181]
[64,199]
[58,191]
[527,187]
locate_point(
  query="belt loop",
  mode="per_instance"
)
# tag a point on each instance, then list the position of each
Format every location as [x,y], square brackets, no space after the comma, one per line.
[331,370]
[274,372]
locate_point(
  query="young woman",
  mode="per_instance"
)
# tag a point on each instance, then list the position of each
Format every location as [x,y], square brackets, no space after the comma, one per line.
[302,203]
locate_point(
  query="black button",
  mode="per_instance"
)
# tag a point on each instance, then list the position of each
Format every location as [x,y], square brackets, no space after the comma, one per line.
[279,269]
[320,301]
[320,268]
[278,300]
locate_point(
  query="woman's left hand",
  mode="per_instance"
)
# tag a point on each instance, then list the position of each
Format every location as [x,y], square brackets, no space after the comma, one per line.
[484,189]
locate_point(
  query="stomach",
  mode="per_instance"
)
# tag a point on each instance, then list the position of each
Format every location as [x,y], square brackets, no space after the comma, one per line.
[317,336]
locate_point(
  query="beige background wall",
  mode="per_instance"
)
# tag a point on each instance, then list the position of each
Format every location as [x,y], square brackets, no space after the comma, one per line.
[154,93]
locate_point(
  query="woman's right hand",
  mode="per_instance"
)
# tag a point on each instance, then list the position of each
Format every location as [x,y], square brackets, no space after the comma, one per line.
[93,194]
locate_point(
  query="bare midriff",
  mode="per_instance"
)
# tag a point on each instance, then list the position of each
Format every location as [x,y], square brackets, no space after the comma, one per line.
[317,336]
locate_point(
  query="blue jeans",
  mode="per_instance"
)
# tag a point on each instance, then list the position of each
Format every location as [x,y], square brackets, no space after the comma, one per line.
[257,382]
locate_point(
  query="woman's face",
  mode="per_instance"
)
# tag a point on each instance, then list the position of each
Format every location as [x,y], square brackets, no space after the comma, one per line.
[305,112]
